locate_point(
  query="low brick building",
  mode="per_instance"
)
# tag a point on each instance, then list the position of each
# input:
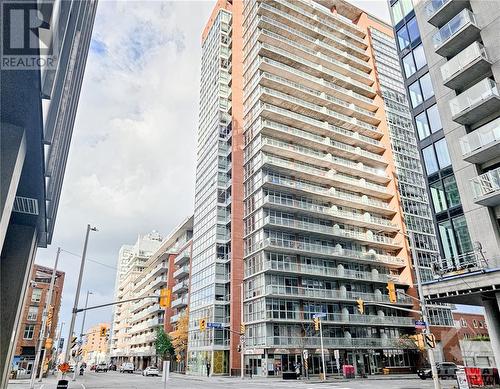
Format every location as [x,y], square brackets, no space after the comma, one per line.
[31,318]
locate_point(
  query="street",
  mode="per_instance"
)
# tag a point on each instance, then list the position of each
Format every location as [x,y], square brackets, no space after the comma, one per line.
[135,381]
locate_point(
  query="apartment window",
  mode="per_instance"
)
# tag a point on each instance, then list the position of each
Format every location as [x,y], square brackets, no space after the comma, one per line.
[474,323]
[462,233]
[442,153]
[397,12]
[29,331]
[451,191]
[434,118]
[426,86]
[438,196]
[413,32]
[409,65]
[415,94]
[481,324]
[403,38]
[36,295]
[430,161]
[423,128]
[32,313]
[419,55]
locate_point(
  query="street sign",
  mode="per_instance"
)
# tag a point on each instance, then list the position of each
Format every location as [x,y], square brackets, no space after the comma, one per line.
[336,354]
[215,325]
[306,354]
[64,367]
[320,314]
[420,324]
[462,379]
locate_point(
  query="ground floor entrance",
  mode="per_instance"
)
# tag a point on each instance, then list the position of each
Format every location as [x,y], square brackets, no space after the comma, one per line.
[212,362]
[366,362]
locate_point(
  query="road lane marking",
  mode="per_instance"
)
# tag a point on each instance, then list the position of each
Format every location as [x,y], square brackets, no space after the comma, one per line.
[83,386]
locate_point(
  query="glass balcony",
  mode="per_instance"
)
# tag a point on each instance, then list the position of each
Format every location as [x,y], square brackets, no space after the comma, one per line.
[482,144]
[180,302]
[486,188]
[476,103]
[440,12]
[466,67]
[182,271]
[314,342]
[183,257]
[456,35]
[180,286]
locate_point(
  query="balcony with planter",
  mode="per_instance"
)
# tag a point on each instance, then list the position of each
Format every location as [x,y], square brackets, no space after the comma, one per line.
[486,188]
[467,66]
[440,12]
[476,103]
[482,144]
[457,34]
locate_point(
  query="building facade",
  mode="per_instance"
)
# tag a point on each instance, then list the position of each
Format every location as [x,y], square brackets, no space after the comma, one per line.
[31,318]
[34,148]
[132,262]
[450,55]
[331,182]
[95,348]
[162,264]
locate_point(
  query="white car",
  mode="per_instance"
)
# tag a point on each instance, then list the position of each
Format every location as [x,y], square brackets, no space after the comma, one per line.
[150,370]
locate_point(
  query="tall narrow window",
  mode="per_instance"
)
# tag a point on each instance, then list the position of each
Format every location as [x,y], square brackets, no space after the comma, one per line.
[434,118]
[426,86]
[442,153]
[431,165]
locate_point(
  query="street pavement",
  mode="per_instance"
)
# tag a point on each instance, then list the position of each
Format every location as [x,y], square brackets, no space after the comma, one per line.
[115,380]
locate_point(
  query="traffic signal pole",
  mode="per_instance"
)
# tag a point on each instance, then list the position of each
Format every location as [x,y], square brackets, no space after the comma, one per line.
[41,336]
[78,357]
[322,348]
[423,306]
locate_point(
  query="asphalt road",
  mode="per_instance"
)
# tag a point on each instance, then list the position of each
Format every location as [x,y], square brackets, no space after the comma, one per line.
[114,380]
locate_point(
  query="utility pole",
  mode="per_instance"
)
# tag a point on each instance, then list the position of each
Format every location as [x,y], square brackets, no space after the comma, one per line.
[45,313]
[77,294]
[322,348]
[430,353]
[81,333]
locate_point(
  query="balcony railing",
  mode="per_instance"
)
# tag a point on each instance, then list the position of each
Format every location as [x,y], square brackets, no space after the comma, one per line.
[482,138]
[345,318]
[452,27]
[330,294]
[298,342]
[334,251]
[441,11]
[290,267]
[473,96]
[462,61]
[487,184]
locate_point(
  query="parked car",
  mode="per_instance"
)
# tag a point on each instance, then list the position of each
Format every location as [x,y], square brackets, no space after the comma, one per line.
[444,370]
[151,370]
[101,367]
[127,367]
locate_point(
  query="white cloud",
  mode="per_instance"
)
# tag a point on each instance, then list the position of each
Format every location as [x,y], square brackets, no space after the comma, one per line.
[132,160]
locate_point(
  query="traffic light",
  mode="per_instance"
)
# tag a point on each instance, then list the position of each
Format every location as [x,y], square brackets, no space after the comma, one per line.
[73,342]
[242,328]
[50,315]
[361,306]
[316,323]
[103,331]
[392,292]
[48,344]
[419,341]
[165,295]
[203,324]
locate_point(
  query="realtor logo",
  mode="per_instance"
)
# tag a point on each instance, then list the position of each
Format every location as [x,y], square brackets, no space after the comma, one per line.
[28,39]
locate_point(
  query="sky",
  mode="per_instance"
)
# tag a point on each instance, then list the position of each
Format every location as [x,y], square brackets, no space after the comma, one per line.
[131,167]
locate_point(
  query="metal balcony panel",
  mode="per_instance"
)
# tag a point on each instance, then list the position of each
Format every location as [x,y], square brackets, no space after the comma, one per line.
[476,103]
[457,34]
[469,65]
[483,144]
[439,12]
[321,143]
[182,258]
[359,220]
[331,195]
[486,188]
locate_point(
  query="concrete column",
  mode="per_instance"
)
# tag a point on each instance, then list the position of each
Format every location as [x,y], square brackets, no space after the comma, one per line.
[492,315]
[18,253]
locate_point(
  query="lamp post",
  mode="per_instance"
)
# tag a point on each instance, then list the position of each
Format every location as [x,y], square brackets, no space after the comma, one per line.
[77,294]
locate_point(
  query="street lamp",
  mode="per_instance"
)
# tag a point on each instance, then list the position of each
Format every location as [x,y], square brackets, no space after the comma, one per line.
[423,307]
[77,294]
